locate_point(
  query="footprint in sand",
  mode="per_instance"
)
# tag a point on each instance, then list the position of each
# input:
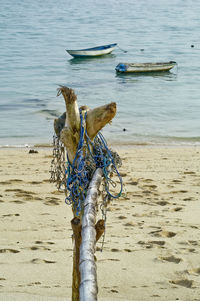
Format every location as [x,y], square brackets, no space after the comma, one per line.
[129,224]
[127,250]
[16,180]
[8,215]
[171,259]
[18,190]
[9,251]
[115,250]
[157,242]
[38,260]
[162,203]
[26,195]
[38,242]
[5,183]
[52,202]
[137,195]
[194,271]
[17,202]
[37,198]
[177,181]
[34,283]
[188,199]
[150,186]
[35,248]
[114,291]
[167,234]
[183,282]
[147,180]
[189,173]
[177,209]
[160,233]
[121,217]
[35,182]
[193,242]
[53,199]
[179,191]
[110,259]
[58,192]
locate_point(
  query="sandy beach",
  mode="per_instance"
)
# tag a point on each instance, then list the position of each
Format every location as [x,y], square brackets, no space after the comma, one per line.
[152,242]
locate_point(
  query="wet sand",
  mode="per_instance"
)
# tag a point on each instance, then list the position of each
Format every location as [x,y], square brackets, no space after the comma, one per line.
[152,242]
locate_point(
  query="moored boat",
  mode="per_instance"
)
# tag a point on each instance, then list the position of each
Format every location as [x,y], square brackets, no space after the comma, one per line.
[144,67]
[92,52]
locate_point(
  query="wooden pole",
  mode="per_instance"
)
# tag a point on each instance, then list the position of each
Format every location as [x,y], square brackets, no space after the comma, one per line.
[76,227]
[67,128]
[88,284]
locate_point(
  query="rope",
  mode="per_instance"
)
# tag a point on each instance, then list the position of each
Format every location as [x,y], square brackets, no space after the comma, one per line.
[90,156]
[125,51]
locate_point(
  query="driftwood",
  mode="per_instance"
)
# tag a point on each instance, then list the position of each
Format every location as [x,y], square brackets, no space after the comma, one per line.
[88,284]
[67,128]
[96,119]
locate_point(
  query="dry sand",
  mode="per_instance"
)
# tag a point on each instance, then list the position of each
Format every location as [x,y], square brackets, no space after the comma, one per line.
[152,243]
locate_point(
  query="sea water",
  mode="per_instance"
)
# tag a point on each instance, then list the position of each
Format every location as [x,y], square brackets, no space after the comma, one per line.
[151,108]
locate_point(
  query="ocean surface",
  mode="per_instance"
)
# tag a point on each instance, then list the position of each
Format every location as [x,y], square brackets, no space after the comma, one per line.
[153,108]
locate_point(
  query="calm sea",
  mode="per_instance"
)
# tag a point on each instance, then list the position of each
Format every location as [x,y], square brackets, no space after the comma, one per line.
[154,108]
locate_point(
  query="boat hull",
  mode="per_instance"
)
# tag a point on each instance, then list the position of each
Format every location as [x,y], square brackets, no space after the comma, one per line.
[92,52]
[144,67]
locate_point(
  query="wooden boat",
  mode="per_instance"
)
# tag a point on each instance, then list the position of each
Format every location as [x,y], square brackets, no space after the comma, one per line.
[92,52]
[144,67]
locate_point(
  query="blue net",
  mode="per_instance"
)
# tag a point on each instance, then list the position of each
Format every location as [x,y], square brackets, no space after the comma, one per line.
[90,155]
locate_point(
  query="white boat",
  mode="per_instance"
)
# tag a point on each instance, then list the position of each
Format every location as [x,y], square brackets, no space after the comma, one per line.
[144,67]
[92,52]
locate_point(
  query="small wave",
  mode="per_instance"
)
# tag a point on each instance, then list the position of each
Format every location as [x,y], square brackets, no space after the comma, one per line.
[49,113]
[142,140]
[16,146]
[32,100]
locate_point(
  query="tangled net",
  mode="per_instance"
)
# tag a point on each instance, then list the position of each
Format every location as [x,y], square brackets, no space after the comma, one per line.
[74,178]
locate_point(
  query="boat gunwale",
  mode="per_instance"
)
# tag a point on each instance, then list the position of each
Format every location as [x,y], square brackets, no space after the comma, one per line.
[97,48]
[149,64]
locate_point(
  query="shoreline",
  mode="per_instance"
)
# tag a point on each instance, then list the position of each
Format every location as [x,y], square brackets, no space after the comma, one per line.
[120,145]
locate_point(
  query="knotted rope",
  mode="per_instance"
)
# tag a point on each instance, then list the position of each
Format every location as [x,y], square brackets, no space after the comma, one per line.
[90,155]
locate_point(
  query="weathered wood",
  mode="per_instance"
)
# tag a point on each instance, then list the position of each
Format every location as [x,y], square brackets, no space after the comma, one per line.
[67,128]
[70,142]
[99,117]
[72,110]
[100,228]
[88,285]
[76,227]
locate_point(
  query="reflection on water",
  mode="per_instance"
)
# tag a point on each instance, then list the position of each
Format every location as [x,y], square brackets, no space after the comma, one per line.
[133,77]
[91,59]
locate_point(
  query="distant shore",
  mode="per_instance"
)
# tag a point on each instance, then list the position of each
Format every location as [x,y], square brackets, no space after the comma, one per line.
[151,248]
